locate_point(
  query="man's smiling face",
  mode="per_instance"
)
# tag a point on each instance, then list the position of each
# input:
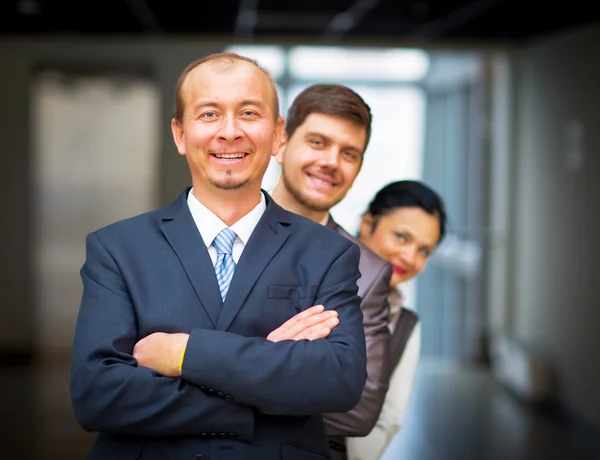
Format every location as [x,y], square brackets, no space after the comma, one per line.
[321,160]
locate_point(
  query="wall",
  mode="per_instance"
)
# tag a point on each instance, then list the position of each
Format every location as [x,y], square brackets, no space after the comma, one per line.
[164,59]
[545,294]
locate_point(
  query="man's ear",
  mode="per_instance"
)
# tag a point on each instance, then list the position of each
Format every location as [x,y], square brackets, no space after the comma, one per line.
[366,225]
[279,136]
[177,130]
[281,151]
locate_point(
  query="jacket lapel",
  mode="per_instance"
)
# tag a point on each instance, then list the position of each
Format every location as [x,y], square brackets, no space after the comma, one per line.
[268,237]
[180,230]
[332,224]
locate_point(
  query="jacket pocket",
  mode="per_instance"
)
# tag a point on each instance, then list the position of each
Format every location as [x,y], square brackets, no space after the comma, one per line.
[295,451]
[283,292]
[292,292]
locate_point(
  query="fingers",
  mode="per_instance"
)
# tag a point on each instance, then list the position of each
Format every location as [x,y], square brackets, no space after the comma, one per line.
[307,313]
[285,327]
[298,325]
[311,324]
[318,331]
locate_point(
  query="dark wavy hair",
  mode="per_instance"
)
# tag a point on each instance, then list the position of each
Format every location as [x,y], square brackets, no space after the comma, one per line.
[405,194]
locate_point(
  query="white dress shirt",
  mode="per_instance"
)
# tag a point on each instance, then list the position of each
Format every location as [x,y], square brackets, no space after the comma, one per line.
[210,225]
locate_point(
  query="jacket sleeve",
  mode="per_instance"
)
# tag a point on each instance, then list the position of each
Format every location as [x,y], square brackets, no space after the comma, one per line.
[110,393]
[362,418]
[290,377]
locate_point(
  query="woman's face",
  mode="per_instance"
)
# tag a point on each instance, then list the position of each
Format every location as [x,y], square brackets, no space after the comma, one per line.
[405,237]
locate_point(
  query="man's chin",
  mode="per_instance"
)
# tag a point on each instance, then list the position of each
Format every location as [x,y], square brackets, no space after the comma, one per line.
[321,201]
[230,183]
[318,205]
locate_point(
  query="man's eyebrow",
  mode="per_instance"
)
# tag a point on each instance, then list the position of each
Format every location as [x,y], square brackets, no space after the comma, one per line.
[212,104]
[204,103]
[315,134]
[251,101]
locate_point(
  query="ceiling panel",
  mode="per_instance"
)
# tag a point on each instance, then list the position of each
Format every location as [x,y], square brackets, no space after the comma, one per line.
[425,20]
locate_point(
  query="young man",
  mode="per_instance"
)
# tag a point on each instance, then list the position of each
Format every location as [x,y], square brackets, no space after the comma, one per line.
[328,129]
[221,326]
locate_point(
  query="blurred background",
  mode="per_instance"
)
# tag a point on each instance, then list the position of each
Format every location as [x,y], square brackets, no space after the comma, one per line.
[493,103]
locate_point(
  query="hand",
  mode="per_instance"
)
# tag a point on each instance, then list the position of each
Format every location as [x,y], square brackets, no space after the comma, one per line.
[161,352]
[311,324]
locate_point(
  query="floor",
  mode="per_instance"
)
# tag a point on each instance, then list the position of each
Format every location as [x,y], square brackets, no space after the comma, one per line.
[455,414]
[459,413]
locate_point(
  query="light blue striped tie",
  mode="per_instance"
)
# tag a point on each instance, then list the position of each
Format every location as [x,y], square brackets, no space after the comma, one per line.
[225,265]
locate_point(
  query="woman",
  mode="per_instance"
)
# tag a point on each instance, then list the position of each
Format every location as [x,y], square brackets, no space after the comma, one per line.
[405,222]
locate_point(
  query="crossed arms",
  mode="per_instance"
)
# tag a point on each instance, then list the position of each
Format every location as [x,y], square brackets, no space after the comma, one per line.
[114,392]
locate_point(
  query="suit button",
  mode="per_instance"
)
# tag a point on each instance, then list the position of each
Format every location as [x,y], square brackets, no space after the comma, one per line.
[232,435]
[211,391]
[222,435]
[203,388]
[204,435]
[228,398]
[213,435]
[199,457]
[220,394]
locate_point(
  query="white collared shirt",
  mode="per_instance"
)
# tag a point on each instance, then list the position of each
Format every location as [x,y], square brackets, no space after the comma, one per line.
[210,225]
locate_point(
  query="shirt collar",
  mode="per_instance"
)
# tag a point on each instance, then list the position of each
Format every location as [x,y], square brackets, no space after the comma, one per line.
[209,225]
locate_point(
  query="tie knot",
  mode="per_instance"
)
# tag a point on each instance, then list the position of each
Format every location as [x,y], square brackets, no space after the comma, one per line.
[223,242]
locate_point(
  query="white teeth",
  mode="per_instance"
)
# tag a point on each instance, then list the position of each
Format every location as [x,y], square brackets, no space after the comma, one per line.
[229,156]
[321,181]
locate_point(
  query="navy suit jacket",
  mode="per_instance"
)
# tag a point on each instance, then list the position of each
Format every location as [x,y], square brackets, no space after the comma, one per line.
[239,396]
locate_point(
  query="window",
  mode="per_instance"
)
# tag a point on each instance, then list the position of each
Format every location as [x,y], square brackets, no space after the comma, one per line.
[367,64]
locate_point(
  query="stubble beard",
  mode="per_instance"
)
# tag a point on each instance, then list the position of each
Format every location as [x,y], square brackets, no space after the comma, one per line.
[307,202]
[231,184]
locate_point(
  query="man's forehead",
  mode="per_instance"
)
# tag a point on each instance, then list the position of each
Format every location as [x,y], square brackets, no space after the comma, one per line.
[224,66]
[320,118]
[246,70]
[324,124]
[242,70]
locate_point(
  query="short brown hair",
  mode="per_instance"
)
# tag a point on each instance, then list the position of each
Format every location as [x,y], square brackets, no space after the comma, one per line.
[229,58]
[329,99]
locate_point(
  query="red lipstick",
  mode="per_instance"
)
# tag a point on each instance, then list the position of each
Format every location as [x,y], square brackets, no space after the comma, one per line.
[399,270]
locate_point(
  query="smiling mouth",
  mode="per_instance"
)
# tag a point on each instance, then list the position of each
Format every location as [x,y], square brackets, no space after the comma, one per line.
[321,182]
[399,270]
[229,156]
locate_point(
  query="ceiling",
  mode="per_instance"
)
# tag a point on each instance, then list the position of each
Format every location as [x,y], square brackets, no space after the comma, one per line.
[423,21]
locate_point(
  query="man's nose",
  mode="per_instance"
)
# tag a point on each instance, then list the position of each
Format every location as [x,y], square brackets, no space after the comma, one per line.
[230,129]
[330,158]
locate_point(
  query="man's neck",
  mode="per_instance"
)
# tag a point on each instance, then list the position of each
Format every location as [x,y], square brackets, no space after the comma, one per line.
[284,198]
[228,205]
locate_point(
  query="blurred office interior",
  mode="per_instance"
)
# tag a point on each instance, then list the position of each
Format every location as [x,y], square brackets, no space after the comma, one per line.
[494,105]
